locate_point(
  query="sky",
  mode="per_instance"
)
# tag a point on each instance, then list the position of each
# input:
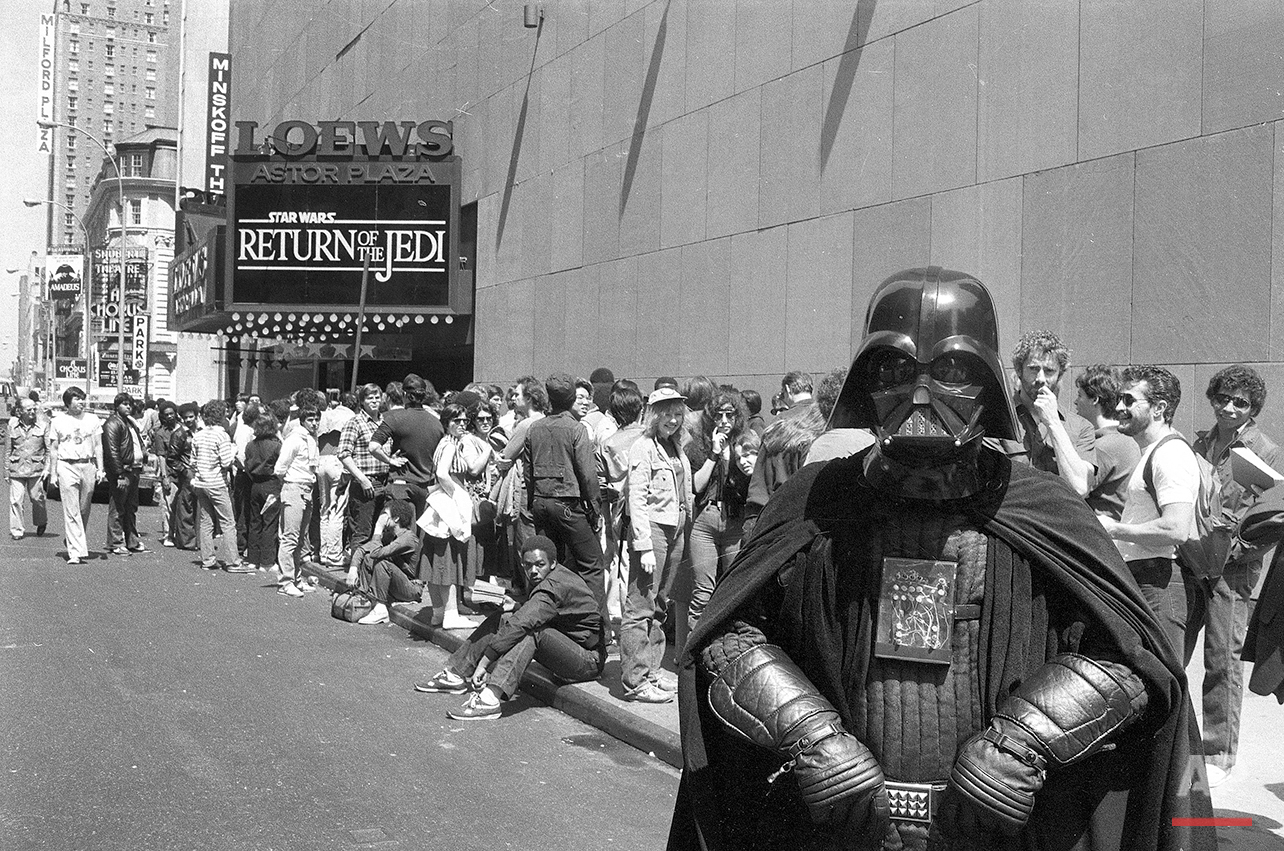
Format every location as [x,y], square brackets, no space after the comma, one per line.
[23,173]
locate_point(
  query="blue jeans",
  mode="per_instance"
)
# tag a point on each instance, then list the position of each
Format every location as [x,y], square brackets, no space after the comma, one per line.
[1220,608]
[646,607]
[715,540]
[553,649]
[296,515]
[1166,593]
[216,504]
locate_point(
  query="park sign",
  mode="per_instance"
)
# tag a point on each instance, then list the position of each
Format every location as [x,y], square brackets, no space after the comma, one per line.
[313,207]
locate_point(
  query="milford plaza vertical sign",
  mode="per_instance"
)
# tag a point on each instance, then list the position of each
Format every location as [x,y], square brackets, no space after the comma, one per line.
[311,206]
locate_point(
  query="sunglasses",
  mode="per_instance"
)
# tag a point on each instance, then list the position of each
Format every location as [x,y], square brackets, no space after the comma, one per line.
[1129,400]
[724,415]
[485,419]
[1221,400]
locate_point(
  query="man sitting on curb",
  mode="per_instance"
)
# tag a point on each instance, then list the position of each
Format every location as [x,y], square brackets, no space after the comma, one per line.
[559,626]
[388,571]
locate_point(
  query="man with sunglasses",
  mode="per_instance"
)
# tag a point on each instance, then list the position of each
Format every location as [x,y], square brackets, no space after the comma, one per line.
[1151,526]
[1219,604]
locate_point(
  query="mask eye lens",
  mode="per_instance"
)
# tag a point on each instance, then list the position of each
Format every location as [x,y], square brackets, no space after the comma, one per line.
[893,370]
[952,369]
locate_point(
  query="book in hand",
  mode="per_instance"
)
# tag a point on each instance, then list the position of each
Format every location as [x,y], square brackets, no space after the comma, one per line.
[483,591]
[1251,472]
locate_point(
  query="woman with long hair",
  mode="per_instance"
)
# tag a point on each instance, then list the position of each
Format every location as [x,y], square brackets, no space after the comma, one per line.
[659,498]
[483,546]
[264,510]
[624,410]
[444,566]
[720,489]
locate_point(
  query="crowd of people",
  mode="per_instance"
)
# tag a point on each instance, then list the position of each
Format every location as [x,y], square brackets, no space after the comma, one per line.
[643,495]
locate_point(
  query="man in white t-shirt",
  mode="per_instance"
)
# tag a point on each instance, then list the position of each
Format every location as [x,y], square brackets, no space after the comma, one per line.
[75,440]
[1152,525]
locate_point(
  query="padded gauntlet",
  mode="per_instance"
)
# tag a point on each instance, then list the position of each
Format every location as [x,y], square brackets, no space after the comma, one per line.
[1062,714]
[765,697]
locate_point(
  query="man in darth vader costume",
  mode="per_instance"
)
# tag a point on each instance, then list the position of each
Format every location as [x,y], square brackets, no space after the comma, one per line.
[925,646]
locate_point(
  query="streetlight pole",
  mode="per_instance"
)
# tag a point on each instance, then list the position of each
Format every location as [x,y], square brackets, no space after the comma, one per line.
[120,191]
[84,288]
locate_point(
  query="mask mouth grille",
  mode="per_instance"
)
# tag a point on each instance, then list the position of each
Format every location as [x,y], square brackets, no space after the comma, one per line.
[922,423]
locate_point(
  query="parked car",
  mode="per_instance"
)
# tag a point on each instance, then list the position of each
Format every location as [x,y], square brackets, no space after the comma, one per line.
[147,482]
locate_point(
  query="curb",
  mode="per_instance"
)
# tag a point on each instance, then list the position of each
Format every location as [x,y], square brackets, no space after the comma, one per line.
[646,736]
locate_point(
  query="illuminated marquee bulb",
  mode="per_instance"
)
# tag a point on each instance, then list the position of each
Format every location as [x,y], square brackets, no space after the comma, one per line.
[334,318]
[419,320]
[291,317]
[263,318]
[347,317]
[316,317]
[449,319]
[433,320]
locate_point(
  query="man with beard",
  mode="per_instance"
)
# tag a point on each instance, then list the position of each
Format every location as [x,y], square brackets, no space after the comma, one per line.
[1154,522]
[927,646]
[178,462]
[1059,442]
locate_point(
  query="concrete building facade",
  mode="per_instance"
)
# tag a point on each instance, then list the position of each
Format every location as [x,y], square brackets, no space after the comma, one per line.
[716,186]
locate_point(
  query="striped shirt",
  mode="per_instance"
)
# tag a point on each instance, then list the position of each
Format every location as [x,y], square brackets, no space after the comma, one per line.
[212,454]
[354,443]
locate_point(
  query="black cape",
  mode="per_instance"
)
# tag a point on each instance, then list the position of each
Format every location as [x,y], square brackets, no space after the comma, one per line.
[1263,526]
[1048,526]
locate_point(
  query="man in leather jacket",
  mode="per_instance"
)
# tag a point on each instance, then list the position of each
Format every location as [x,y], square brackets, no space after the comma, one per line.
[123,457]
[925,646]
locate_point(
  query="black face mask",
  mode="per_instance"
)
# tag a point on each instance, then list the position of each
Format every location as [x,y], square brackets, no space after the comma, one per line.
[928,382]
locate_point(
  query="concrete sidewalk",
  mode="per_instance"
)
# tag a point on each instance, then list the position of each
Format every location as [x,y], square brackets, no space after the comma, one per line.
[651,728]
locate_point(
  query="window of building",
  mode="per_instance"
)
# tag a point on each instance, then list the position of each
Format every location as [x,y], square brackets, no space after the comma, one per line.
[135,165]
[84,8]
[151,74]
[109,108]
[109,89]
[73,46]
[149,112]
[111,11]
[149,18]
[73,65]
[107,125]
[111,51]
[165,17]
[111,33]
[136,212]
[151,38]
[71,141]
[68,221]
[151,93]
[75,27]
[151,54]
[109,71]
[73,85]
[71,103]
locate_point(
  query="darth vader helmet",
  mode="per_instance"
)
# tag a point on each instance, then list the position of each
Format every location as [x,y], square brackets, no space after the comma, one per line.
[927,380]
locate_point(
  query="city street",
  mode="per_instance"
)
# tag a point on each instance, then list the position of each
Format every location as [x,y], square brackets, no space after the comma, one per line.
[150,705]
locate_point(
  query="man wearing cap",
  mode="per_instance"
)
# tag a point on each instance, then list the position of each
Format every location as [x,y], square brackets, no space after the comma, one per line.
[559,626]
[561,484]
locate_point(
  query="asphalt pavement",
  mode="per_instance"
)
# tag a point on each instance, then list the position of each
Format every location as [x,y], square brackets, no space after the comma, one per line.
[148,704]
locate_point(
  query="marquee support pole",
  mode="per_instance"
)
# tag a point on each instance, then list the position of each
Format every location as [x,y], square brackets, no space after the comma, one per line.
[361,321]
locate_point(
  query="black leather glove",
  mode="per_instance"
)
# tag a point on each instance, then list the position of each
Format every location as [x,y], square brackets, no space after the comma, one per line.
[1062,714]
[765,697]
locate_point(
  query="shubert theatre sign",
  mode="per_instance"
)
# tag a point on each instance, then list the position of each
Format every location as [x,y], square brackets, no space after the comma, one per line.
[313,205]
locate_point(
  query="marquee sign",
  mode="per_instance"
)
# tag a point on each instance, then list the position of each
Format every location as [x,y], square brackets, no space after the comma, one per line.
[64,273]
[311,206]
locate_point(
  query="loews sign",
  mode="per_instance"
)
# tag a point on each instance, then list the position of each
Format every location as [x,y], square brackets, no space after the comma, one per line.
[313,205]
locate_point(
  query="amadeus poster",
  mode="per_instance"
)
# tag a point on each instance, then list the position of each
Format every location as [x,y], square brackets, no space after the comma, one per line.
[65,275]
[307,243]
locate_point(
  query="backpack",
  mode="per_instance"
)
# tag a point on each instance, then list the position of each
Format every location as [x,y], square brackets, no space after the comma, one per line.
[1204,552]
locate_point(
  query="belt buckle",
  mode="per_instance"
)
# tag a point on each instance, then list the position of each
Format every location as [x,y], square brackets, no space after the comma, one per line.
[915,802]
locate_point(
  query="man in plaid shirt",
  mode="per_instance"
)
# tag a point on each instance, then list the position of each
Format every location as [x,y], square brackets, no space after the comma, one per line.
[366,490]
